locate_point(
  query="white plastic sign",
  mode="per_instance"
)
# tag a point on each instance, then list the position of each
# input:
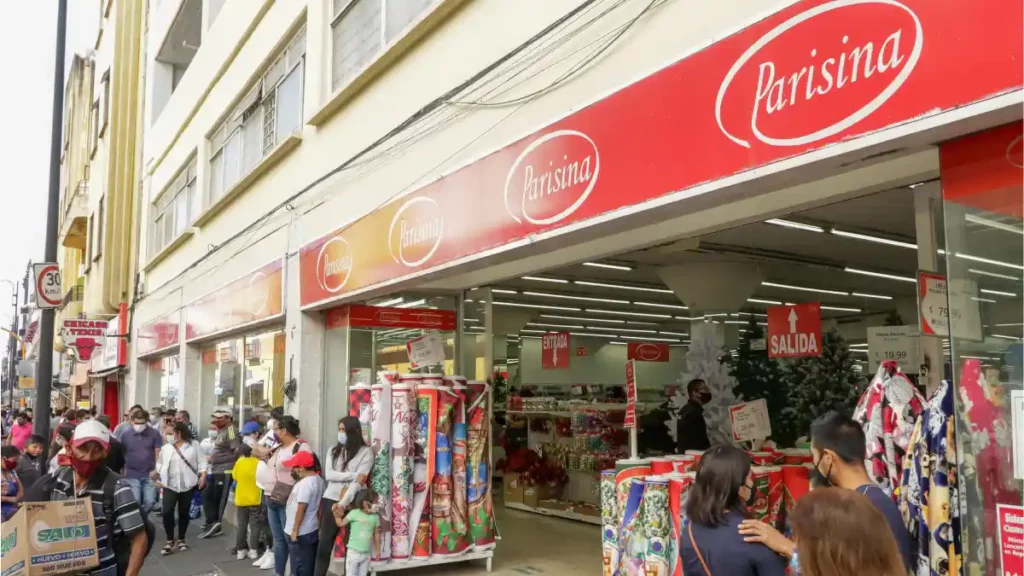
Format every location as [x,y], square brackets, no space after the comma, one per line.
[943,304]
[901,344]
[47,285]
[750,421]
[427,350]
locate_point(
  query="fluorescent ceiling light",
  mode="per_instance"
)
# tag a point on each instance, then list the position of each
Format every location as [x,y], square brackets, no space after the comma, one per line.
[1004,336]
[608,266]
[591,335]
[650,339]
[577,319]
[1010,324]
[504,291]
[762,323]
[530,337]
[617,342]
[859,345]
[538,306]
[760,301]
[805,289]
[412,304]
[615,329]
[689,318]
[660,305]
[641,323]
[875,296]
[554,325]
[530,331]
[978,357]
[390,302]
[993,274]
[581,298]
[998,293]
[994,224]
[735,322]
[623,287]
[989,261]
[840,309]
[881,275]
[989,300]
[673,333]
[542,279]
[795,225]
[918,185]
[470,320]
[876,239]
[620,313]
[858,350]
[511,361]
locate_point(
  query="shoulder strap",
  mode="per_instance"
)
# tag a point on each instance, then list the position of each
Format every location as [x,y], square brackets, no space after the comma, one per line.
[185,460]
[689,531]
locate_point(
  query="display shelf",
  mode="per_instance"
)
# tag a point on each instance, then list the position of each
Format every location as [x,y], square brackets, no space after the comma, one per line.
[393,565]
[539,413]
[596,520]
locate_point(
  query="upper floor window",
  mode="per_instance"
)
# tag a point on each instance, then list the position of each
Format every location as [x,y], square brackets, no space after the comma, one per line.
[360,29]
[105,106]
[173,210]
[268,113]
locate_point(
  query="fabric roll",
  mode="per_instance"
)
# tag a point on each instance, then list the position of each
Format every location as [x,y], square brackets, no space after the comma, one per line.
[481,511]
[661,466]
[460,460]
[359,406]
[676,487]
[424,465]
[380,433]
[609,523]
[625,471]
[631,536]
[449,533]
[655,519]
[403,430]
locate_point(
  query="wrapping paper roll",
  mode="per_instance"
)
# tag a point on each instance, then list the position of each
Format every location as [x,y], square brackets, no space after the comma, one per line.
[460,458]
[481,510]
[380,478]
[676,487]
[403,430]
[447,504]
[632,543]
[359,406]
[609,524]
[626,470]
[661,466]
[424,464]
[768,484]
[796,456]
[765,458]
[656,521]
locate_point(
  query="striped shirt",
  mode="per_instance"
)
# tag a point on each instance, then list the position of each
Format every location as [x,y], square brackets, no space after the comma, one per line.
[127,519]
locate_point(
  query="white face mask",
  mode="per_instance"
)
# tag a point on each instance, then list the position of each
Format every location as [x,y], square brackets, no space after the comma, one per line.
[249,441]
[170,438]
[212,433]
[140,428]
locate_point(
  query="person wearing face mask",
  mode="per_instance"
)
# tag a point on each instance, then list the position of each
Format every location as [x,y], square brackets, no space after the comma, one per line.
[184,416]
[115,454]
[691,430]
[126,424]
[348,467]
[222,460]
[30,463]
[716,503]
[301,512]
[121,531]
[181,470]
[11,487]
[279,485]
[20,430]
[142,446]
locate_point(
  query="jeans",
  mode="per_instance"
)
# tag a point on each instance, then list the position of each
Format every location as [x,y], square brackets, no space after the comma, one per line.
[180,501]
[328,532]
[303,554]
[276,515]
[145,493]
[356,563]
[215,497]
[250,517]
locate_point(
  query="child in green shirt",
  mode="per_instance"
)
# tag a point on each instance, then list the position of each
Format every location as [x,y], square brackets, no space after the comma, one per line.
[363,532]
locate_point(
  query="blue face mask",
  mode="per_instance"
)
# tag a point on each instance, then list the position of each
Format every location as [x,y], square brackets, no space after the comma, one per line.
[342,438]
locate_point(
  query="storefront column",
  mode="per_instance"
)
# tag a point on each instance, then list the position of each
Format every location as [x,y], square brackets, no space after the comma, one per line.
[713,288]
[927,205]
[304,353]
[190,379]
[489,325]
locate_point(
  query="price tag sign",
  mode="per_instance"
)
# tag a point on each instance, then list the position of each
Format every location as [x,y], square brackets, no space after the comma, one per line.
[750,421]
[901,344]
[630,420]
[1011,538]
[427,350]
[948,305]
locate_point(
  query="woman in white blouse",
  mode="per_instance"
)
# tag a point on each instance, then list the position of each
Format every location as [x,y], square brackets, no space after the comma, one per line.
[180,471]
[348,469]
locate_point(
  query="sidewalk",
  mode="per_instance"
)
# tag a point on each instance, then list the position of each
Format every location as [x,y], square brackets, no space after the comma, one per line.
[209,556]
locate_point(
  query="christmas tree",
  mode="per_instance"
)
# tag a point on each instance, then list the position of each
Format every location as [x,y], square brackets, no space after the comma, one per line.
[758,376]
[820,384]
[704,362]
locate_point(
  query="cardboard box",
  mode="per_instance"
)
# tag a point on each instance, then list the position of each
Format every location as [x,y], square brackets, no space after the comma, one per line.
[50,538]
[533,495]
[587,510]
[513,487]
[560,505]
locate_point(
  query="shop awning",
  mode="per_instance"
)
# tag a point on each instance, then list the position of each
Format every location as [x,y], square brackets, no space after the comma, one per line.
[105,372]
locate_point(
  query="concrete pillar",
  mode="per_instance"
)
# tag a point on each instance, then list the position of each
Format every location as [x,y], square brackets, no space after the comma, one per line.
[927,205]
[305,332]
[189,368]
[712,286]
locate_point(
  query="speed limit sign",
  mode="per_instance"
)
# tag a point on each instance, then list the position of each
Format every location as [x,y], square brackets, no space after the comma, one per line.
[48,286]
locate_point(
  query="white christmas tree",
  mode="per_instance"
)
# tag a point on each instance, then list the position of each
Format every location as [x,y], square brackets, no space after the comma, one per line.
[704,361]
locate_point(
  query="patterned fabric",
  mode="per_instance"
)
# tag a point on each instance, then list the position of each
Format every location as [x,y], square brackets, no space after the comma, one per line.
[380,479]
[403,443]
[929,495]
[888,410]
[478,477]
[359,406]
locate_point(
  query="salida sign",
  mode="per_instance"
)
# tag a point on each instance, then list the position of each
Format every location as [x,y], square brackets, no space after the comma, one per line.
[554,351]
[811,75]
[794,331]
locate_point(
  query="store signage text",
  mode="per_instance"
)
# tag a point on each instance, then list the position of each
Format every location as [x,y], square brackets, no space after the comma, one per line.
[358,316]
[334,264]
[811,75]
[554,351]
[647,351]
[1010,521]
[84,336]
[750,421]
[253,297]
[630,419]
[794,331]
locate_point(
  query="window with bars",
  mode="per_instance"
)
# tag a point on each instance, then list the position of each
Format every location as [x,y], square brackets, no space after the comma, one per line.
[360,29]
[173,210]
[270,112]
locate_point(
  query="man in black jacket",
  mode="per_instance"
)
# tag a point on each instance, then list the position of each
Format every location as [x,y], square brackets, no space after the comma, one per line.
[30,463]
[691,430]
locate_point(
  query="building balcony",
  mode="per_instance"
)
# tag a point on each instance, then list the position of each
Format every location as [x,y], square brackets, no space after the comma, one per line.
[74,221]
[73,300]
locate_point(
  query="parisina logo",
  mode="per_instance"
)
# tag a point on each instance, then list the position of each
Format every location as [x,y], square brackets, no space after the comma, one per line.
[552,177]
[416,231]
[334,264]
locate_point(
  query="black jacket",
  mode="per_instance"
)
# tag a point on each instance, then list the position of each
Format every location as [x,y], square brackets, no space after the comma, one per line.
[29,469]
[691,431]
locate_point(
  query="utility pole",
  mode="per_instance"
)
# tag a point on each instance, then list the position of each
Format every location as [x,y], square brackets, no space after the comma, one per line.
[44,376]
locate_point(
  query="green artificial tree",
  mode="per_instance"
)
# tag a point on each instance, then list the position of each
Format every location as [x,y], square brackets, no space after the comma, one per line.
[758,376]
[893,319]
[820,384]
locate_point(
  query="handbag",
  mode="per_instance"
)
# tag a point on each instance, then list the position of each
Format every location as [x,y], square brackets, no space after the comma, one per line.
[279,495]
[689,531]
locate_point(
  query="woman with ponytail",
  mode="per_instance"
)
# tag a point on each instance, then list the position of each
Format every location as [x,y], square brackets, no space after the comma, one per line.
[348,470]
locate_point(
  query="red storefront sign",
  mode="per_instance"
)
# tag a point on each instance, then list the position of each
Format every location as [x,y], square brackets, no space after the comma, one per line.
[1011,538]
[158,334]
[84,336]
[358,316]
[985,170]
[794,331]
[253,297]
[630,420]
[554,351]
[581,351]
[647,351]
[813,74]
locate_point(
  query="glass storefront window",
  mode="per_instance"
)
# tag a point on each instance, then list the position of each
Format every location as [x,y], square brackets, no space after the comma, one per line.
[170,387]
[245,375]
[227,377]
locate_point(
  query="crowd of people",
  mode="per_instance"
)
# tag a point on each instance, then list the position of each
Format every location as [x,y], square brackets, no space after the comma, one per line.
[289,509]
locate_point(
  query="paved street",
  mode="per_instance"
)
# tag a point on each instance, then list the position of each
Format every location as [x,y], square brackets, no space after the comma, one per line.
[208,556]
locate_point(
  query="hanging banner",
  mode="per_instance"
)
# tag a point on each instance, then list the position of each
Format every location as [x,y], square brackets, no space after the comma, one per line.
[630,420]
[750,421]
[84,336]
[1010,521]
[794,331]
[427,350]
[554,351]
[901,344]
[647,351]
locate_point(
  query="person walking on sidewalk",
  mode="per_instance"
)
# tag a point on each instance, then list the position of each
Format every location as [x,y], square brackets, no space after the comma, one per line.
[365,537]
[348,467]
[182,470]
[301,512]
[222,460]
[30,464]
[142,445]
[280,488]
[248,505]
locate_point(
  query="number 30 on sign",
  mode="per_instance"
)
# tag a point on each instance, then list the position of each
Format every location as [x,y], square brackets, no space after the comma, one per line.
[48,285]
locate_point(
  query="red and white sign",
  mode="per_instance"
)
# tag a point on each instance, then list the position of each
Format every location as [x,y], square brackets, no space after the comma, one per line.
[1011,538]
[750,421]
[379,317]
[630,420]
[581,350]
[48,285]
[427,350]
[647,351]
[811,75]
[251,298]
[84,336]
[794,331]
[554,351]
[933,302]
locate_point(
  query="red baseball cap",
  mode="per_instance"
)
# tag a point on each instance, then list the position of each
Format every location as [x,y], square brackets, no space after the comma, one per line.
[300,460]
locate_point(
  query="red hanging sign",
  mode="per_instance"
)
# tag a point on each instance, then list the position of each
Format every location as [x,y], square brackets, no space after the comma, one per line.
[581,351]
[647,351]
[1011,538]
[630,420]
[794,331]
[377,317]
[554,351]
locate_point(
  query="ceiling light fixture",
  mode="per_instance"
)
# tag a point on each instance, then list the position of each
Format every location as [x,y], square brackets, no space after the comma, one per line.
[875,296]
[735,322]
[998,293]
[1009,324]
[615,329]
[641,323]
[504,291]
[623,287]
[412,304]
[989,261]
[531,331]
[875,239]
[545,325]
[538,306]
[660,305]
[994,224]
[470,320]
[580,298]
[760,301]
[993,274]
[390,302]
[645,338]
[880,275]
[672,333]
[805,288]
[620,313]
[608,266]
[617,342]
[1004,337]
[988,300]
[592,335]
[577,319]
[794,225]
[542,279]
[840,309]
